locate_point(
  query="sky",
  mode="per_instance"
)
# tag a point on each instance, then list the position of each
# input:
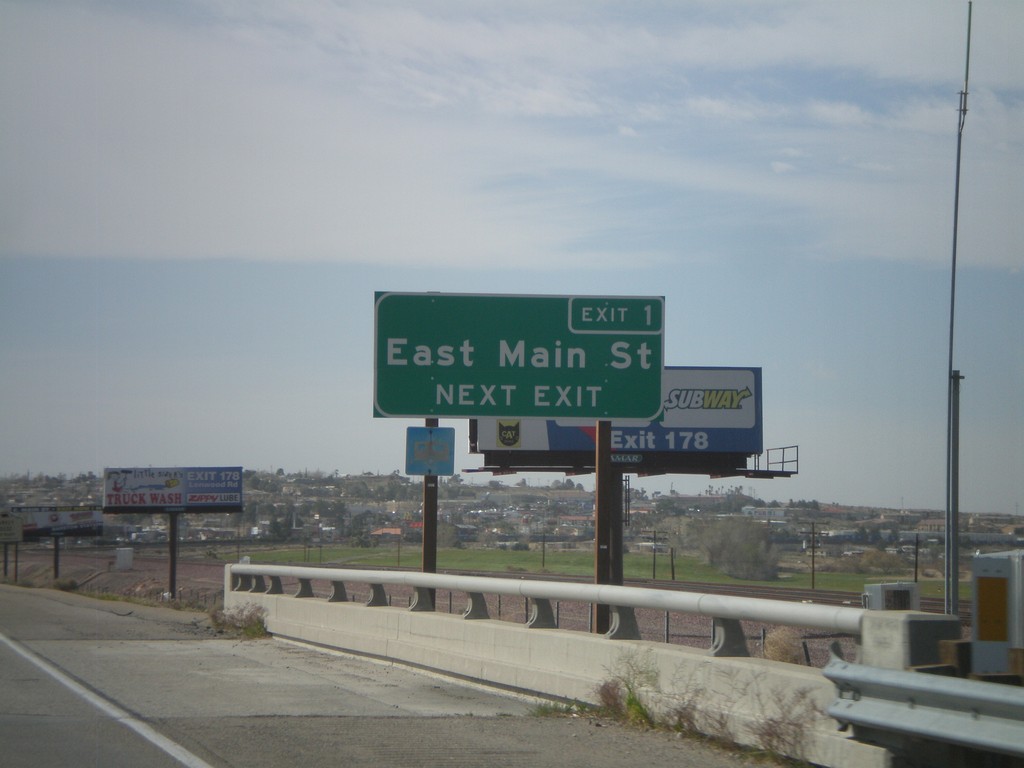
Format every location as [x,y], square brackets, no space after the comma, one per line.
[198,200]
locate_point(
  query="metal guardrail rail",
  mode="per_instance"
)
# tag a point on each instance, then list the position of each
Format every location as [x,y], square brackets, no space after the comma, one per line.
[978,715]
[726,611]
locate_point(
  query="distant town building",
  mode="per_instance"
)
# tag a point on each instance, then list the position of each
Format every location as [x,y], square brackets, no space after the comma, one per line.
[765,513]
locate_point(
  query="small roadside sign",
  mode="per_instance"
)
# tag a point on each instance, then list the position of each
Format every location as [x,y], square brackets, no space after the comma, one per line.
[10,529]
[430,451]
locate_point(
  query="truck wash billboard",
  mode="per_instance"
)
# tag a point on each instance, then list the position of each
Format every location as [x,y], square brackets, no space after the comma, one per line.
[154,489]
[704,410]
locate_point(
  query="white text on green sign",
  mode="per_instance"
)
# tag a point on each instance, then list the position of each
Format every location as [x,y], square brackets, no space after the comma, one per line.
[460,355]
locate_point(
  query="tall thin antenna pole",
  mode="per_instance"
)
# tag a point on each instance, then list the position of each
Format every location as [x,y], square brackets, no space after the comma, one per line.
[952,544]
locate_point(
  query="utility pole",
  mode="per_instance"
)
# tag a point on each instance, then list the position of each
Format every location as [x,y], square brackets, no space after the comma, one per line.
[654,556]
[813,545]
[952,543]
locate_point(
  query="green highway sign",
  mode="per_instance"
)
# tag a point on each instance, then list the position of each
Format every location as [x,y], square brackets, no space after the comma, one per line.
[474,355]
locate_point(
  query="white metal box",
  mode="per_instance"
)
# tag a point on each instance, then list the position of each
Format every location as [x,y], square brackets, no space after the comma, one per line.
[898,596]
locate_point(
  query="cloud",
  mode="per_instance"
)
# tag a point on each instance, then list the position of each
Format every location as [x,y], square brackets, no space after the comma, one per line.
[838,113]
[819,371]
[745,110]
[792,152]
[384,133]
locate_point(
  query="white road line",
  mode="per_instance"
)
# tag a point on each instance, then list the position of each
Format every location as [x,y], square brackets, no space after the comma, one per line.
[108,708]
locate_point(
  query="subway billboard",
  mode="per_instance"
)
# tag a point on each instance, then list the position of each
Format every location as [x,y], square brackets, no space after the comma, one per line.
[703,410]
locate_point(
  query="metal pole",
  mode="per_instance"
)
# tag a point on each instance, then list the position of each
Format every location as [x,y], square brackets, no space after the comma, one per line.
[952,544]
[429,564]
[654,556]
[615,520]
[812,556]
[172,535]
[953,564]
[604,504]
[429,560]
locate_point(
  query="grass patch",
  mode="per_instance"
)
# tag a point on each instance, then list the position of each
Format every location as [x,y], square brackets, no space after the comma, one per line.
[247,621]
[560,709]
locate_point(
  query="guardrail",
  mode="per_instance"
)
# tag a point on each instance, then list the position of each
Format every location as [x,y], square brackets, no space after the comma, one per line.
[725,611]
[884,703]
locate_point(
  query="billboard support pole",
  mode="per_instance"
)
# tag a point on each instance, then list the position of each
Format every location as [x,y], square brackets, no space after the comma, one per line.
[172,540]
[56,557]
[607,523]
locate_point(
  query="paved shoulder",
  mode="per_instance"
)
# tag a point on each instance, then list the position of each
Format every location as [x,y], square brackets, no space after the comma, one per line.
[263,704]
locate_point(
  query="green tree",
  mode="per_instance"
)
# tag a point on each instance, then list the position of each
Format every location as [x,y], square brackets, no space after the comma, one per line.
[880,561]
[280,525]
[448,536]
[361,527]
[737,546]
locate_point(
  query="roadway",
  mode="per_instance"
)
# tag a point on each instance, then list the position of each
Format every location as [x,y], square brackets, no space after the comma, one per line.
[91,683]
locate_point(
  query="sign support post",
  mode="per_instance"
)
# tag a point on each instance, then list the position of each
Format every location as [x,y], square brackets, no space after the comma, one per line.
[172,553]
[607,523]
[429,559]
[429,451]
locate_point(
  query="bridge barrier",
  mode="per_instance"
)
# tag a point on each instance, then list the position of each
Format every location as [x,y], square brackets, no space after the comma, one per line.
[722,692]
[926,714]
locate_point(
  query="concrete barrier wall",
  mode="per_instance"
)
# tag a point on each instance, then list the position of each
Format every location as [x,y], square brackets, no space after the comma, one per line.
[775,706]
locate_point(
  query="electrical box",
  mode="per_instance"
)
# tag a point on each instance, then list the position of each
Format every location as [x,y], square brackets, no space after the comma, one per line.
[898,596]
[125,556]
[998,610]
